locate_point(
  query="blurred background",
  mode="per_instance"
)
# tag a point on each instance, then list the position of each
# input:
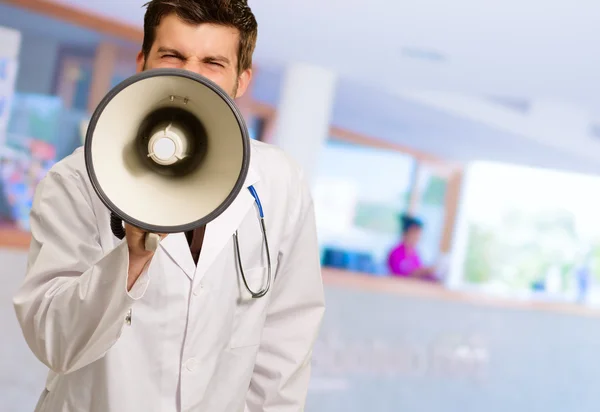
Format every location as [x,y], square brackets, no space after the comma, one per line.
[453,150]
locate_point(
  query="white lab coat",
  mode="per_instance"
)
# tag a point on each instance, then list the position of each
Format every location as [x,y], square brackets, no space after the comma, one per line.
[196,341]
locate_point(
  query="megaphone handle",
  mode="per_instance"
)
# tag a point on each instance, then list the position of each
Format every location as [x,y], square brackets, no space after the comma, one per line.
[151,242]
[116,225]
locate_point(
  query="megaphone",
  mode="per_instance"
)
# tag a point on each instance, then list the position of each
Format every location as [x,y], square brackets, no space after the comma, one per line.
[167,151]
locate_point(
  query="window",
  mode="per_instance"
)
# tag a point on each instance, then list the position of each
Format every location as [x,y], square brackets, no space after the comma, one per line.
[526,231]
[359,194]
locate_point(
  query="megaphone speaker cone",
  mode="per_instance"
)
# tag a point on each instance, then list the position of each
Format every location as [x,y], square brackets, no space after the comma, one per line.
[167,150]
[171,141]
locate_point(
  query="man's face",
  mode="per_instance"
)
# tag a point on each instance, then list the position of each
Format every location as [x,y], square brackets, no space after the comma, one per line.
[207,49]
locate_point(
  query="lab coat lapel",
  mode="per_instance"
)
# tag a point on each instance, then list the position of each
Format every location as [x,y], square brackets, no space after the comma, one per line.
[177,247]
[220,231]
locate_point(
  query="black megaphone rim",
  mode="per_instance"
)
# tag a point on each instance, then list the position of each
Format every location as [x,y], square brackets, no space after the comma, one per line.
[147,74]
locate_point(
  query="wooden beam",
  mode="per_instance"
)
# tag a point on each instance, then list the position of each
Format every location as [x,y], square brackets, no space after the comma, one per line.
[361,139]
[80,18]
[453,191]
[416,189]
[440,166]
[437,165]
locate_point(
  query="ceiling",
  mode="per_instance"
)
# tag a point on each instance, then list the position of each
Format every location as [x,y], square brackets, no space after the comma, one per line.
[498,80]
[532,48]
[447,132]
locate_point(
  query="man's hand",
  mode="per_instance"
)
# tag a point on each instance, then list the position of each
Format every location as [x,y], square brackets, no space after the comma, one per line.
[138,255]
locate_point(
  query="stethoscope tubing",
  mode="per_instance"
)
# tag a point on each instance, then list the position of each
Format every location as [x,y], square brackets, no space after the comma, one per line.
[264,290]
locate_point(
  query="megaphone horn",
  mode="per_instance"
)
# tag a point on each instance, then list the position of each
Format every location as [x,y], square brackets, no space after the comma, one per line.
[167,151]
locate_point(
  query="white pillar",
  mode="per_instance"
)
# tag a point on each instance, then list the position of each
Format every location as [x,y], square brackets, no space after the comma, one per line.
[10,44]
[304,112]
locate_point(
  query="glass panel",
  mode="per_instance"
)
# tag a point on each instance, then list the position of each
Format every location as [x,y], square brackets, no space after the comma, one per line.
[529,232]
[359,194]
[431,211]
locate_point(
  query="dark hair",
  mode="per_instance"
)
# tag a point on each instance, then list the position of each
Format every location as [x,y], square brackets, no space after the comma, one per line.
[408,222]
[232,13]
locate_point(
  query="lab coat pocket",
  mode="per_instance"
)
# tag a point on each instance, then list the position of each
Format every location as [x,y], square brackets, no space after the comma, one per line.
[249,312]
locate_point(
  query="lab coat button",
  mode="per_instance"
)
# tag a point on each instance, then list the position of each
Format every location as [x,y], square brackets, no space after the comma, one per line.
[191,364]
[128,318]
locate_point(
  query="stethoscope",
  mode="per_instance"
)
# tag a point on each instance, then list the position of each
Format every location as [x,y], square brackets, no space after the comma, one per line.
[261,217]
[117,229]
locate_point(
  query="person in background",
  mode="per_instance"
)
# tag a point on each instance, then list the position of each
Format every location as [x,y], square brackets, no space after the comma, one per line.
[404,259]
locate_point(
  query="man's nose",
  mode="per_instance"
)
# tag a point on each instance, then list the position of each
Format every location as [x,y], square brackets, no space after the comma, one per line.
[193,66]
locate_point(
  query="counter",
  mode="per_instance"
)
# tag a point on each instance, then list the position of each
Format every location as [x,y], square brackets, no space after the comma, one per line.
[430,291]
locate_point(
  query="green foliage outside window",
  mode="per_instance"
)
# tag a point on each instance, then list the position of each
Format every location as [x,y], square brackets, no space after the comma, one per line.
[435,192]
[521,248]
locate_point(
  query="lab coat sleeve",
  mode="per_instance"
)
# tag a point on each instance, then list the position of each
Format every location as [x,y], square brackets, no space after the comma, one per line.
[283,365]
[73,302]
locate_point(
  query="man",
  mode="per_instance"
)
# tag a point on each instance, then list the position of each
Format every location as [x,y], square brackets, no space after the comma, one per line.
[125,330]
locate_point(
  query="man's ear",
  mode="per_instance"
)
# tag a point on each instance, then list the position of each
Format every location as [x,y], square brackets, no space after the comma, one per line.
[244,80]
[140,62]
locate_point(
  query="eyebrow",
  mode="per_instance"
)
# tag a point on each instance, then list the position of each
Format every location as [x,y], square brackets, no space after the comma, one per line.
[177,53]
[170,51]
[217,58]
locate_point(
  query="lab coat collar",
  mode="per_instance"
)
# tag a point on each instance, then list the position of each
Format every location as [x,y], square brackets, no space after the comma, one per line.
[218,232]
